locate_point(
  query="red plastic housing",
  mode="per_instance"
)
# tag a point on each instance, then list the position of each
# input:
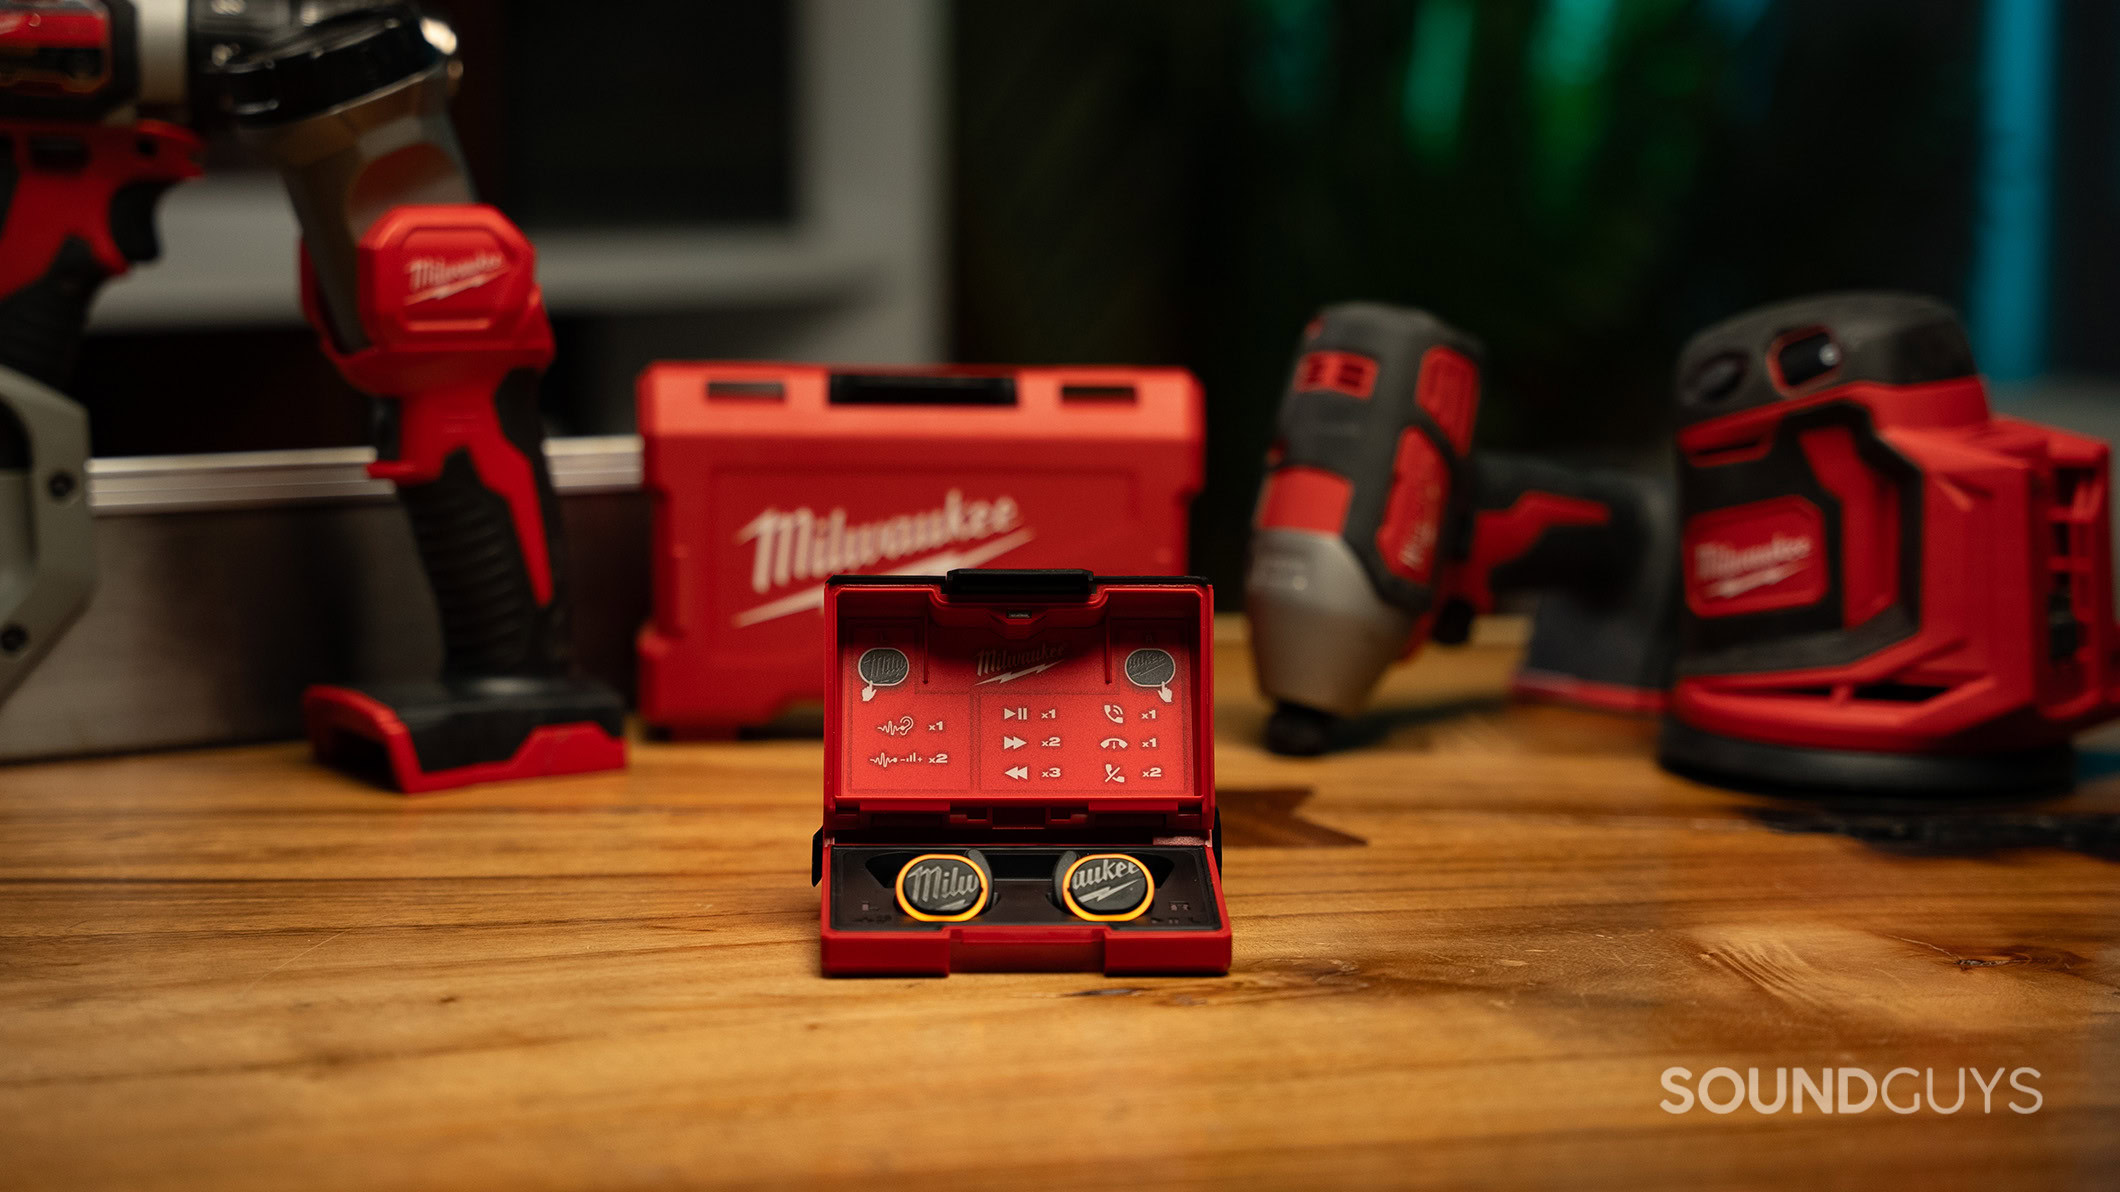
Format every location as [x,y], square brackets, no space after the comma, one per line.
[43,47]
[50,206]
[769,478]
[450,300]
[1020,729]
[1968,601]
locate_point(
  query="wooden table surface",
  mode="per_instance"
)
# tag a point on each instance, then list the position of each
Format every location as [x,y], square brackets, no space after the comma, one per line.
[1465,956]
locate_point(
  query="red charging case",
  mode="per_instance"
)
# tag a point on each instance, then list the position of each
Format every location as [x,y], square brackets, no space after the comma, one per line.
[769,478]
[1018,714]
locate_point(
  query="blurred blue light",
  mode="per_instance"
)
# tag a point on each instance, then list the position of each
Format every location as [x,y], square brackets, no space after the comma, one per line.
[1288,75]
[2006,298]
[1737,17]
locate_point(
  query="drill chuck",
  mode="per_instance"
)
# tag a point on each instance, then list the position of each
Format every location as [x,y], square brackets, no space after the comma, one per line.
[92,60]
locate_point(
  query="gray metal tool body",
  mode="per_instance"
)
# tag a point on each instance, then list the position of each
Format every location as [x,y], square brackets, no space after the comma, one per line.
[47,557]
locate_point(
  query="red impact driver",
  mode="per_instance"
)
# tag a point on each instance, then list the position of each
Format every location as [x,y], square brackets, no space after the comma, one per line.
[430,303]
[1379,529]
[1887,588]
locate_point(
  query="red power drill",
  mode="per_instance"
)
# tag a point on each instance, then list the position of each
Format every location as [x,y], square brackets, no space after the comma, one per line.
[1378,529]
[430,303]
[89,91]
[1887,588]
[92,93]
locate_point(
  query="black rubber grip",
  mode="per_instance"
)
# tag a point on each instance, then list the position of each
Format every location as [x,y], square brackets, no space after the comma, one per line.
[41,323]
[492,623]
[132,219]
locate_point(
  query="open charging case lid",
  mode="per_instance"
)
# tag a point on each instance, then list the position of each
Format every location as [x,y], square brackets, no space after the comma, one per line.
[1001,705]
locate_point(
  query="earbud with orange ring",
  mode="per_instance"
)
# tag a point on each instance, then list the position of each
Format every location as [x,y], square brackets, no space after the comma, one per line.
[1103,887]
[944,887]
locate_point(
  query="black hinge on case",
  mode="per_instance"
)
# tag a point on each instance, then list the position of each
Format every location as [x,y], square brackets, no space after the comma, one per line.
[1002,583]
[889,389]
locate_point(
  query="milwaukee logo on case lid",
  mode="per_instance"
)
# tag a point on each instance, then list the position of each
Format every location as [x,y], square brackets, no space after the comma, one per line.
[801,546]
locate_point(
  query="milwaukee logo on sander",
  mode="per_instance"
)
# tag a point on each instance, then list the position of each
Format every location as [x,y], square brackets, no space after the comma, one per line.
[1756,558]
[1726,571]
[798,545]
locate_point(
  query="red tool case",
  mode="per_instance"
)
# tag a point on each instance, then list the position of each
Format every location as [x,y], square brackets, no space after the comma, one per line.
[1028,721]
[769,478]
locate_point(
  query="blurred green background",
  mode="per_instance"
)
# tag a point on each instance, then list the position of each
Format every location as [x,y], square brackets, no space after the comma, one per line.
[1580,183]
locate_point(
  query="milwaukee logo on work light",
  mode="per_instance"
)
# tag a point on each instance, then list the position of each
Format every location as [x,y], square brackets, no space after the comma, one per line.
[433,279]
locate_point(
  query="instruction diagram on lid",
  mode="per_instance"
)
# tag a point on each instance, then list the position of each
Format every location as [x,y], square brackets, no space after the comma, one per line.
[1079,710]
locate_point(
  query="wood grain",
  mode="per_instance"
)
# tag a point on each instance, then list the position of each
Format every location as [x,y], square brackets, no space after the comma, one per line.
[232,970]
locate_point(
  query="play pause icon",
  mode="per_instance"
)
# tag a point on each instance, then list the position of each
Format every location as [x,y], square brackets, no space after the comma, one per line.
[1015,713]
[1019,772]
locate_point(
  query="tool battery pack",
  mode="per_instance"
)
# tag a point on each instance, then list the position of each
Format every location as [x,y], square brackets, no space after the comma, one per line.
[1019,775]
[769,478]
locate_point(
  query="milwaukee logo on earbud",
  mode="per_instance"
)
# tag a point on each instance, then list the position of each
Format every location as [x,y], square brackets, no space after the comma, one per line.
[1725,572]
[432,278]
